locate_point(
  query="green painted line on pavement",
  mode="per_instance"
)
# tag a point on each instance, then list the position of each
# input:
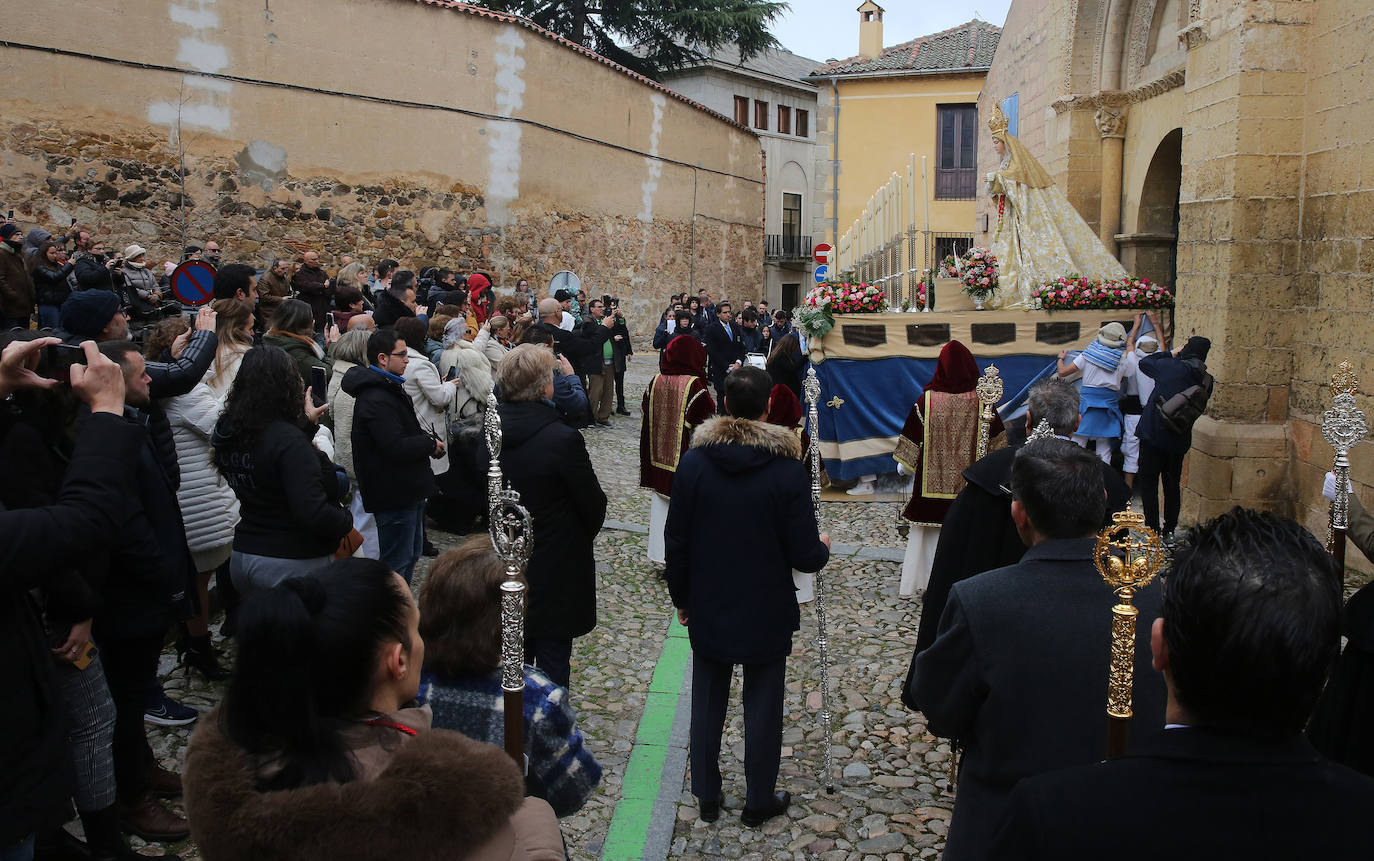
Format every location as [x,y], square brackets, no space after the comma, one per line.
[644,774]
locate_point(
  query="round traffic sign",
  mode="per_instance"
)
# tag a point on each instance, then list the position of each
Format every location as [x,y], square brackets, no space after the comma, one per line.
[193,282]
[821,253]
[822,272]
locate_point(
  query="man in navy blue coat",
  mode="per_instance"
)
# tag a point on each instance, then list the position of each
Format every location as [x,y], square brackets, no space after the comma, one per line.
[1249,626]
[1162,450]
[1018,669]
[739,602]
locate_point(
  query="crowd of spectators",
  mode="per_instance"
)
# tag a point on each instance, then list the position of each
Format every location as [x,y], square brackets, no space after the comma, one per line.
[284,442]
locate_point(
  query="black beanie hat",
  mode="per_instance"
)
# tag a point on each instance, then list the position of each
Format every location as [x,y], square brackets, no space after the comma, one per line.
[88,312]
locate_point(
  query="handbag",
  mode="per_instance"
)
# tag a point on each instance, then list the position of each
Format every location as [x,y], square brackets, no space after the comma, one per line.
[349,545]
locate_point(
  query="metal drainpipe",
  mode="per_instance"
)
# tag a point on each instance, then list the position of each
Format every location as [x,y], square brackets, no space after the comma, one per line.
[835,171]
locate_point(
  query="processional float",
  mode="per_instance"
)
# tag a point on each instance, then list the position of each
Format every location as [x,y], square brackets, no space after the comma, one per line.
[1128,555]
[1343,426]
[811,387]
[512,537]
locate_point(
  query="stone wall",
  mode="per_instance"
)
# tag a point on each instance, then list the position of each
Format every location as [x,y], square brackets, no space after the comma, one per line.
[488,146]
[1334,292]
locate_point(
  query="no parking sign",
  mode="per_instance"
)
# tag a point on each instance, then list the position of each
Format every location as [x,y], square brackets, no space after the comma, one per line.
[193,282]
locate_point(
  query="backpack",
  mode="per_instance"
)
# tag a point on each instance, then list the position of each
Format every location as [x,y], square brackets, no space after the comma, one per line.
[1178,413]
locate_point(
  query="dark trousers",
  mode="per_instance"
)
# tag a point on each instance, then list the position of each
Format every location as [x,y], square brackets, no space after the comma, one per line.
[552,656]
[718,383]
[620,390]
[1157,464]
[130,668]
[763,692]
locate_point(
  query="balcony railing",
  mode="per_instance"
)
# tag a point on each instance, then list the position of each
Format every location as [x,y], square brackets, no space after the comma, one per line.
[956,183]
[786,246]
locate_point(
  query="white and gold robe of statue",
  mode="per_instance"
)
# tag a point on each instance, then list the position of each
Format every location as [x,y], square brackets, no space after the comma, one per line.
[1039,238]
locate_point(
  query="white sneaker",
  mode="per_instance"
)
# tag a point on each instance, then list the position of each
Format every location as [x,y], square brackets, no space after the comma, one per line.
[863,488]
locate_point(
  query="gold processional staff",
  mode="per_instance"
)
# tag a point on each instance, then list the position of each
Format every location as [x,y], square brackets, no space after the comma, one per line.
[1128,555]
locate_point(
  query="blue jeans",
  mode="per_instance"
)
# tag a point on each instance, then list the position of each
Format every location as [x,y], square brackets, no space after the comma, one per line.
[401,537]
[49,316]
[20,851]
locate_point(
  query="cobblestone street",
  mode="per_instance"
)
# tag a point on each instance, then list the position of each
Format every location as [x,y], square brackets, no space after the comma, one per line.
[889,800]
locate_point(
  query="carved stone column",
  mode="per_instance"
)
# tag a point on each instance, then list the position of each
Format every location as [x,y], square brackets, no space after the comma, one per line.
[1111,124]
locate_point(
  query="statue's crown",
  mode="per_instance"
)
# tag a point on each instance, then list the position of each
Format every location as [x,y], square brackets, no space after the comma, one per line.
[998,122]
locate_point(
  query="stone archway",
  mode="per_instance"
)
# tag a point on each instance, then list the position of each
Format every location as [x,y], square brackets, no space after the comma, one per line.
[1152,250]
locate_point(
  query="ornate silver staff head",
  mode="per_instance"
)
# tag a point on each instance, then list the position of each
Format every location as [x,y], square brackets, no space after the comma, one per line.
[512,537]
[1343,427]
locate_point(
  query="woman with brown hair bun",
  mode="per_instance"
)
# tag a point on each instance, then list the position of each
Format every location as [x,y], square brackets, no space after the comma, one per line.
[460,619]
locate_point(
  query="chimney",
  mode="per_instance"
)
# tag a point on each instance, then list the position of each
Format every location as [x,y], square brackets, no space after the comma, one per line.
[870,30]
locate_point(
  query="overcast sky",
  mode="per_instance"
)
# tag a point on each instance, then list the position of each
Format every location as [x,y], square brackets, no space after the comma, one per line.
[821,29]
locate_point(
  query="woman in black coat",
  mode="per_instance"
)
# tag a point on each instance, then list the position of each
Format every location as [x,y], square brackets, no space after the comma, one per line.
[292,501]
[49,270]
[547,462]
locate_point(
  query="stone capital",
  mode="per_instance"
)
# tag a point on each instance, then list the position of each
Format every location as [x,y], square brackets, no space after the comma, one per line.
[1194,34]
[1111,121]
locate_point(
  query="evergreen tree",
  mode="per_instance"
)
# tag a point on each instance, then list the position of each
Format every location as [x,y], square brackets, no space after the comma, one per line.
[653,36]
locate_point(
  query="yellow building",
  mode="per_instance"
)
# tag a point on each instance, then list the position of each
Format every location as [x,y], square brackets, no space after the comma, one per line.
[882,106]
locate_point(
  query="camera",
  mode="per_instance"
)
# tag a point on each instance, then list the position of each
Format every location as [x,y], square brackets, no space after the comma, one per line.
[57,360]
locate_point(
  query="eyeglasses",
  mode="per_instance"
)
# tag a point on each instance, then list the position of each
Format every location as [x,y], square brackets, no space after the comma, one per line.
[401,354]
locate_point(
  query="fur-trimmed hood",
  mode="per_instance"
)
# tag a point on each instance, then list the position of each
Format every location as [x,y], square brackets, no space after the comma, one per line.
[443,795]
[739,445]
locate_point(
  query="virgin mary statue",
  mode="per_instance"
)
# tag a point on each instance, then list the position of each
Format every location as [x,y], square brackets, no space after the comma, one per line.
[1039,235]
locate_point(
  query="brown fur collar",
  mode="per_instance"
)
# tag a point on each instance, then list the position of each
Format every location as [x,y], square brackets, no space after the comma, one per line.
[442,796]
[728,430]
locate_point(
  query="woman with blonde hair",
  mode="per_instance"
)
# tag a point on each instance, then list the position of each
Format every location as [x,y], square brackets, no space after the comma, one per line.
[234,329]
[350,350]
[465,362]
[547,462]
[490,342]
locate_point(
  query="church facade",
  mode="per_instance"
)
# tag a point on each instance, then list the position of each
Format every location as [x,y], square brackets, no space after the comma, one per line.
[1225,147]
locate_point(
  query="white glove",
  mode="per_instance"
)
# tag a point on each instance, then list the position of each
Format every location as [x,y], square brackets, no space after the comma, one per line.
[1329,487]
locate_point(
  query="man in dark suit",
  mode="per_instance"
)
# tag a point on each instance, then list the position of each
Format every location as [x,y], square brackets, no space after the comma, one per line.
[1251,622]
[724,352]
[1018,670]
[739,603]
[983,508]
[582,346]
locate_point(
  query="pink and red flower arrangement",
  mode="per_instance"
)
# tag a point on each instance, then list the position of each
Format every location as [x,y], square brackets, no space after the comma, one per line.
[978,272]
[846,298]
[1072,293]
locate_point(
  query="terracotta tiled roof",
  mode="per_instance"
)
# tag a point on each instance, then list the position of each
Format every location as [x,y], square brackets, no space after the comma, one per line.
[584,51]
[966,47]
